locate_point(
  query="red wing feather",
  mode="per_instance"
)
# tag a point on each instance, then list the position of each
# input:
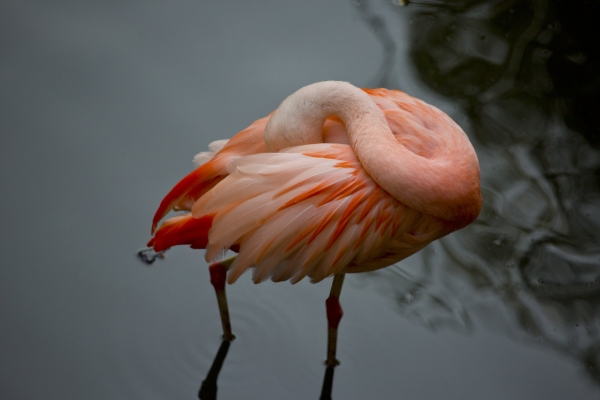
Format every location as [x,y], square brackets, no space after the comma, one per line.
[190,188]
[183,229]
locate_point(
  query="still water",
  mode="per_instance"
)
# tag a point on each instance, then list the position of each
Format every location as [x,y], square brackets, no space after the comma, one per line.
[104,104]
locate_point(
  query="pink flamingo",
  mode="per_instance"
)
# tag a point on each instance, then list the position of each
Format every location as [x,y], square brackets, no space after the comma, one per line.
[337,180]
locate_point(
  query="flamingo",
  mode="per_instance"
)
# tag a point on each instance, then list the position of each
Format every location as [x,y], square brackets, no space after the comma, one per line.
[336,180]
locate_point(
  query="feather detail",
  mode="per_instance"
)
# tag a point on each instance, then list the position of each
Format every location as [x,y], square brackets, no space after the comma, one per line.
[306,211]
[213,147]
[212,171]
[182,229]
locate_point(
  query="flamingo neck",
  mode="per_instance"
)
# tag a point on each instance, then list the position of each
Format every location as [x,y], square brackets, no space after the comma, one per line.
[435,186]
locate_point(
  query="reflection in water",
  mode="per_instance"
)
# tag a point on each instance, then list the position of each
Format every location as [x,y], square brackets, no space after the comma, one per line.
[526,75]
[384,77]
[208,389]
[327,384]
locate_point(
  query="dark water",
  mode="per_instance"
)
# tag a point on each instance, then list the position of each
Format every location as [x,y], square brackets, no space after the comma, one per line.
[103,106]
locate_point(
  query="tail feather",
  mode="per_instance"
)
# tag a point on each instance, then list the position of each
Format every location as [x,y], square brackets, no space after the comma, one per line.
[190,188]
[182,229]
[206,176]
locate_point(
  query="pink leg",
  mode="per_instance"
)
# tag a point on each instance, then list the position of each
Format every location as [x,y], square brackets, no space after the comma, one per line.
[218,275]
[334,315]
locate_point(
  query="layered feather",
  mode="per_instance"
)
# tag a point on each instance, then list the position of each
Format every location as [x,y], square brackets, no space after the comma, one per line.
[309,210]
[212,171]
[305,211]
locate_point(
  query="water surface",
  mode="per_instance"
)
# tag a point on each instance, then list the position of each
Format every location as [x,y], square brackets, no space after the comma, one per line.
[105,104]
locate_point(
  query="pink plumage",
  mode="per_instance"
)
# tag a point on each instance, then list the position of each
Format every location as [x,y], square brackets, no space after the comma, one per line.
[302,199]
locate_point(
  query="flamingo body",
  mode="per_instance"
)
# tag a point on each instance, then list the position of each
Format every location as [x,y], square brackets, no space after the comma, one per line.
[293,196]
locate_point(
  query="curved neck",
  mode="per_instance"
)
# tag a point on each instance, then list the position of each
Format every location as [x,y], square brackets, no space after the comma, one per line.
[432,186]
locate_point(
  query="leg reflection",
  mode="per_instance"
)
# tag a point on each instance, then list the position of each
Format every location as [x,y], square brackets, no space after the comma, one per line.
[327,384]
[208,389]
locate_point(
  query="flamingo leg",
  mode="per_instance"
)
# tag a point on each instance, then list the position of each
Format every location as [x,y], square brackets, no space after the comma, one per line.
[218,275]
[334,315]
